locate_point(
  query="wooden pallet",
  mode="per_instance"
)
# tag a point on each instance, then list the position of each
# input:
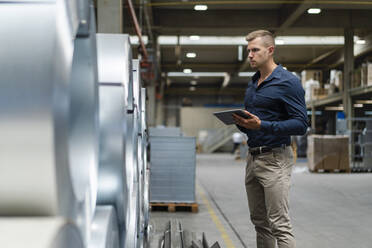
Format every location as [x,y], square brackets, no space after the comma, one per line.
[174,206]
[361,170]
[331,171]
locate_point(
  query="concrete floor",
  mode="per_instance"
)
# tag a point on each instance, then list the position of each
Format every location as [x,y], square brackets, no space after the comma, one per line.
[327,210]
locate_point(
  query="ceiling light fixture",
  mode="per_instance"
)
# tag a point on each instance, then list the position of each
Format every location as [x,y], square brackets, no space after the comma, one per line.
[240,40]
[192,88]
[246,74]
[314,11]
[364,101]
[187,71]
[226,80]
[240,53]
[361,42]
[196,74]
[194,37]
[190,55]
[200,7]
[334,108]
[193,82]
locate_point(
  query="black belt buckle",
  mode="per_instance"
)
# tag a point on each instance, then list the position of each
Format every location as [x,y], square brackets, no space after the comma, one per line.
[259,150]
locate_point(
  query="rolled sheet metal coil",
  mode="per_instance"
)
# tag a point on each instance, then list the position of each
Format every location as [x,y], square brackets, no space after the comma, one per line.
[105,229]
[131,164]
[146,205]
[112,177]
[140,198]
[146,196]
[48,111]
[131,150]
[137,85]
[144,127]
[146,174]
[114,63]
[138,115]
[39,232]
[143,112]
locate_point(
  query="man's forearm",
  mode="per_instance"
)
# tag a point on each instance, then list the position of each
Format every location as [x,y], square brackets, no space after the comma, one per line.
[287,127]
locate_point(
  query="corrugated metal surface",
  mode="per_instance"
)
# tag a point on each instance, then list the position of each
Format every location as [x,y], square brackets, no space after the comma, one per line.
[165,131]
[366,140]
[172,169]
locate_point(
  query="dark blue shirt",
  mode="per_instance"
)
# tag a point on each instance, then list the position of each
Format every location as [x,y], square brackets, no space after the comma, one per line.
[279,102]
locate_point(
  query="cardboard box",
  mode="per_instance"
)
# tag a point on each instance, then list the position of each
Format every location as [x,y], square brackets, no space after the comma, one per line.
[357,78]
[310,86]
[369,73]
[328,152]
[319,93]
[336,79]
[315,93]
[364,74]
[307,75]
[331,88]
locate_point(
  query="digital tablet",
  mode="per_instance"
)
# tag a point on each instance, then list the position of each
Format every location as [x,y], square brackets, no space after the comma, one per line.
[227,118]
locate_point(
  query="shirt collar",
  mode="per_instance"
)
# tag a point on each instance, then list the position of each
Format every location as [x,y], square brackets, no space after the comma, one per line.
[277,72]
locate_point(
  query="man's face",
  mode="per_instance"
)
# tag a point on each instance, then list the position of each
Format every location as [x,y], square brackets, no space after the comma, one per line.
[258,53]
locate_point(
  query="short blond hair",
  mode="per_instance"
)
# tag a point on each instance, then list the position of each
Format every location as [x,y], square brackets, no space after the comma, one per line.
[267,37]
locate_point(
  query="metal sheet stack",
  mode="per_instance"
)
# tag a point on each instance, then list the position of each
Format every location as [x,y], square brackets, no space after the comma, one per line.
[366,144]
[165,131]
[173,161]
[72,165]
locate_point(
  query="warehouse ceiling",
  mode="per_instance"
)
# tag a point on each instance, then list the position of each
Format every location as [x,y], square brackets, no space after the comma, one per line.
[231,20]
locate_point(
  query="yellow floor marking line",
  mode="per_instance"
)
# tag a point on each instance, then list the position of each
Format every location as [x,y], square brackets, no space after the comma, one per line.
[216,220]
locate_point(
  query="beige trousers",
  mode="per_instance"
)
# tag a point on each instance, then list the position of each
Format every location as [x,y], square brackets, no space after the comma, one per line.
[267,182]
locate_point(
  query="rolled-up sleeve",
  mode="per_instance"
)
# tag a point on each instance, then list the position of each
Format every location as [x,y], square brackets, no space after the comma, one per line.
[293,98]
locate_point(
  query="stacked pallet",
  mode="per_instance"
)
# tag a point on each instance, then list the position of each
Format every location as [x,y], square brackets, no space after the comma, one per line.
[172,161]
[328,153]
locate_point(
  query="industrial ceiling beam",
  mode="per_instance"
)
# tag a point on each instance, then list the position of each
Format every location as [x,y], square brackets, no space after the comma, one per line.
[260,19]
[211,67]
[294,15]
[201,66]
[204,91]
[239,31]
[288,22]
[321,57]
[359,50]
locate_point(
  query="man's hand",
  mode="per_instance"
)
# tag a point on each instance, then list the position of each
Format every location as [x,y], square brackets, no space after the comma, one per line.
[250,123]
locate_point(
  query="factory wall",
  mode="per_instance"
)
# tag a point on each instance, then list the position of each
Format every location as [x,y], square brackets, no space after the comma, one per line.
[194,119]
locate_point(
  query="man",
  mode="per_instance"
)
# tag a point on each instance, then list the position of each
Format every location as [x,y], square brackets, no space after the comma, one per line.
[275,104]
[237,138]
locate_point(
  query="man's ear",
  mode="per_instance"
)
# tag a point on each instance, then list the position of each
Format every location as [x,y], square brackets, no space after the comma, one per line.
[271,50]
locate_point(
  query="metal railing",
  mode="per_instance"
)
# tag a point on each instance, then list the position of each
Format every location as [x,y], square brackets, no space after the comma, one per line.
[217,139]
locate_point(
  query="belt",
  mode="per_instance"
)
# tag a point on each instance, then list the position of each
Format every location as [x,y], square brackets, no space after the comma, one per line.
[263,149]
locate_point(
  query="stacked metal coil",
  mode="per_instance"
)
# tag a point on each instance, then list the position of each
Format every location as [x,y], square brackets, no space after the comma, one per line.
[145,166]
[72,152]
[140,120]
